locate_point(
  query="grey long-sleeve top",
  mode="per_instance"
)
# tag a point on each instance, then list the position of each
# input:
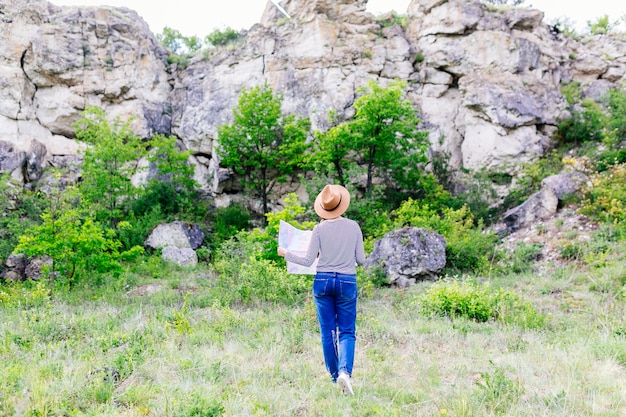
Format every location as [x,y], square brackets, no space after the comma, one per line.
[339,244]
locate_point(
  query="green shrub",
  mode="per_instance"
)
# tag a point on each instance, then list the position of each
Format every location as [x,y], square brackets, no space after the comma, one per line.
[249,268]
[177,44]
[571,251]
[25,295]
[478,302]
[584,125]
[244,276]
[605,200]
[19,210]
[393,19]
[601,26]
[221,38]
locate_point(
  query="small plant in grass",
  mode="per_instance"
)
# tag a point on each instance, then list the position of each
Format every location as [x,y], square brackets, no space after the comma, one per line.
[498,390]
[478,302]
[392,19]
[226,222]
[180,321]
[197,405]
[25,295]
[370,279]
[524,255]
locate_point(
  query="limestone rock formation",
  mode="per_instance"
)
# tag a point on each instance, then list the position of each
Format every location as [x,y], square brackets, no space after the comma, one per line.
[56,61]
[486,81]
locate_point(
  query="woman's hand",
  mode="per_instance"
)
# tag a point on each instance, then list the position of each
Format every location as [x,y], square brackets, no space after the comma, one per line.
[281,251]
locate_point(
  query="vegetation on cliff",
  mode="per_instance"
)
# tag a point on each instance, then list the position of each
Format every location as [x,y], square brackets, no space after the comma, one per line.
[118,331]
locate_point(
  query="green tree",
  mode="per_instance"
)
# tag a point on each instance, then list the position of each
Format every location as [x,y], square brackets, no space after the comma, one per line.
[108,165]
[173,188]
[72,240]
[177,43]
[385,135]
[332,150]
[262,145]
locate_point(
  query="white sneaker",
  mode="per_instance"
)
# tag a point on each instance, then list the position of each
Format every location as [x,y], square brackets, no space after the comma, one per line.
[345,383]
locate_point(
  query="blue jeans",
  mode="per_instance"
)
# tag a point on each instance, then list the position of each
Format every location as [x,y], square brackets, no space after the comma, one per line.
[335,301]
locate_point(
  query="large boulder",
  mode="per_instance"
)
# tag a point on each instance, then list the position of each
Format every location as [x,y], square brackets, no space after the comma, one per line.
[185,257]
[565,184]
[409,254]
[177,234]
[19,267]
[539,206]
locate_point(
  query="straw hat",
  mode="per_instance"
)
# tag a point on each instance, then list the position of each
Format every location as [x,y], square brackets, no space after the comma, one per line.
[332,202]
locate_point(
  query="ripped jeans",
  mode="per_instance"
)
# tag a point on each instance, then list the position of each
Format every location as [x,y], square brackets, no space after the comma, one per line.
[335,301]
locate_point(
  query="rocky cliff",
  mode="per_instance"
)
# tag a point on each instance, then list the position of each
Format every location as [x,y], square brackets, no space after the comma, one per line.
[486,81]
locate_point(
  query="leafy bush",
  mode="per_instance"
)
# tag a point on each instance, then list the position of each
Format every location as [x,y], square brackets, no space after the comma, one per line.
[605,200]
[226,222]
[393,19]
[592,121]
[585,124]
[108,165]
[249,268]
[246,277]
[601,26]
[25,295]
[478,302]
[221,38]
[177,44]
[19,210]
[173,188]
[73,240]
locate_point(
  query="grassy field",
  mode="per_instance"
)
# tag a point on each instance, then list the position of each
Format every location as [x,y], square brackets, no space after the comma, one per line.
[168,347]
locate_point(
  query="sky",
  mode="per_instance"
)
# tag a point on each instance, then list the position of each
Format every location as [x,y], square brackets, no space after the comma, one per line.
[192,17]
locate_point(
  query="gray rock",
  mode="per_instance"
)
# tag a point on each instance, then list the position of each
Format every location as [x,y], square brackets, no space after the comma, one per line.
[408,255]
[185,257]
[540,206]
[177,234]
[565,184]
[15,266]
[35,265]
[11,157]
[487,83]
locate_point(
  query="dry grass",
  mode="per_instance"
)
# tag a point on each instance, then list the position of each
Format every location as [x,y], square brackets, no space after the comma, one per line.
[267,361]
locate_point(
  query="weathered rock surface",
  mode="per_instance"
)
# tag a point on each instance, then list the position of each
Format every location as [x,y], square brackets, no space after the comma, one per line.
[565,184]
[540,206]
[177,234]
[185,257]
[19,267]
[486,81]
[409,254]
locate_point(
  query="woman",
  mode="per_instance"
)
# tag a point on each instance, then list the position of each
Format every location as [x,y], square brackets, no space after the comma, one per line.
[338,242]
